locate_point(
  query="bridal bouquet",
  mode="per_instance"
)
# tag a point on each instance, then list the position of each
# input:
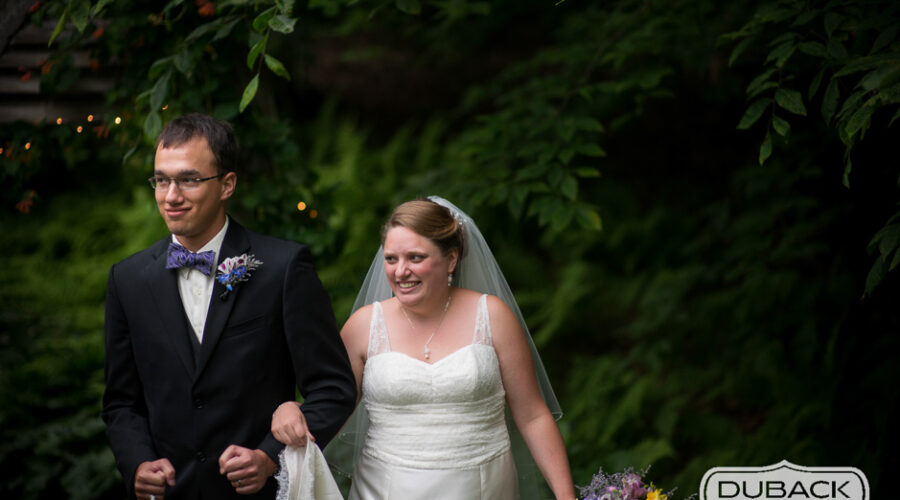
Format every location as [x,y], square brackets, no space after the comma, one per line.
[625,485]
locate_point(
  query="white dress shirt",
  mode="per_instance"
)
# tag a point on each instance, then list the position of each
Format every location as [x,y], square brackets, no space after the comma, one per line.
[196,288]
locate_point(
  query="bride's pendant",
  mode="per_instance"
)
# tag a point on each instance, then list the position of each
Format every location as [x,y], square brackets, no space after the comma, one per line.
[427,351]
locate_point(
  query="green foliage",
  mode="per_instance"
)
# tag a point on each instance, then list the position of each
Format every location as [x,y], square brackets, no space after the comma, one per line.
[850,46]
[696,301]
[51,376]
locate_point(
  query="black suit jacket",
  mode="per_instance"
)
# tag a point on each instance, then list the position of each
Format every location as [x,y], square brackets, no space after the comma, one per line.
[271,334]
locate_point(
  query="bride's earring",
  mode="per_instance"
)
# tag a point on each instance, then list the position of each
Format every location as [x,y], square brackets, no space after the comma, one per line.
[450,279]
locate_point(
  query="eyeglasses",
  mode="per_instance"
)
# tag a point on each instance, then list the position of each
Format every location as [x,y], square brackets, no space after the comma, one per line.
[163,183]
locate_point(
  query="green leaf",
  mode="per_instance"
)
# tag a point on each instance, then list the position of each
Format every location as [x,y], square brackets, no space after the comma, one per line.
[894,118]
[876,274]
[262,20]
[754,111]
[836,49]
[739,49]
[257,49]
[183,62]
[859,120]
[562,215]
[765,149]
[531,172]
[97,9]
[286,7]
[587,172]
[880,77]
[762,88]
[204,29]
[790,100]
[884,39]
[158,66]
[591,149]
[781,53]
[805,17]
[409,6]
[847,168]
[566,155]
[282,24]
[569,187]
[830,100]
[588,218]
[249,93]
[865,63]
[277,67]
[226,28]
[813,48]
[59,27]
[160,92]
[895,261]
[890,239]
[81,14]
[589,124]
[781,126]
[832,21]
[566,130]
[760,80]
[152,125]
[814,85]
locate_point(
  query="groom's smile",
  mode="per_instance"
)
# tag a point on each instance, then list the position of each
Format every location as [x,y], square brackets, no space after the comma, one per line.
[191,200]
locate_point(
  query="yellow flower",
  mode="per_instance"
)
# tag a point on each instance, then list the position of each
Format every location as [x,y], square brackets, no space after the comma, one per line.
[656,495]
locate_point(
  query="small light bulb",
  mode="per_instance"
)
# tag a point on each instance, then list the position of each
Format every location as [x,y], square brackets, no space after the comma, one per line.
[301,206]
[118,120]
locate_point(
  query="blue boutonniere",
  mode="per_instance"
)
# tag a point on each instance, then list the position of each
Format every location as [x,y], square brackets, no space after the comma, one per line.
[234,270]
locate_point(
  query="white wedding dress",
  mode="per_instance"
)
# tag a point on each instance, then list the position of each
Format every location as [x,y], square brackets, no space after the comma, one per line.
[436,431]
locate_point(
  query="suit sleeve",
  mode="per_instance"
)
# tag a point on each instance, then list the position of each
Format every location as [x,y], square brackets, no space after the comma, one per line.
[320,362]
[124,410]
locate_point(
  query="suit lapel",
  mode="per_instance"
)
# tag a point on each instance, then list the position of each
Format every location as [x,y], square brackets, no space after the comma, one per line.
[164,291]
[235,243]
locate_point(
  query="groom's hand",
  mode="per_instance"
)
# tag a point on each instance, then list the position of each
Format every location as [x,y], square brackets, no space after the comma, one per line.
[246,469]
[151,478]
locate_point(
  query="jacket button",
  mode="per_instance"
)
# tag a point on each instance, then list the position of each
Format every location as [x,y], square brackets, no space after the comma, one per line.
[201,456]
[198,403]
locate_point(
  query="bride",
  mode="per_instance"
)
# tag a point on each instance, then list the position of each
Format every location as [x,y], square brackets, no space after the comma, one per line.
[436,365]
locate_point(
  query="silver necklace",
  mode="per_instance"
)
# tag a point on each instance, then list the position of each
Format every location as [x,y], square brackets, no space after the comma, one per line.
[427,351]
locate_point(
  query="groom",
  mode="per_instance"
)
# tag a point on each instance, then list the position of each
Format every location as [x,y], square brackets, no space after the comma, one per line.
[195,366]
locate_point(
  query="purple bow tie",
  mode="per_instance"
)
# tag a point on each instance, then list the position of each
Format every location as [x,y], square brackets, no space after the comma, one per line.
[177,256]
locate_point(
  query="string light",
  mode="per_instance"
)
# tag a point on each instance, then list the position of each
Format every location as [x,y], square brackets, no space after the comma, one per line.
[1,151]
[79,129]
[313,214]
[165,107]
[301,206]
[28,145]
[90,118]
[59,121]
[118,120]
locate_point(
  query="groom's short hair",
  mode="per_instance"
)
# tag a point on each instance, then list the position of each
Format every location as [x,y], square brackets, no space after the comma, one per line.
[218,134]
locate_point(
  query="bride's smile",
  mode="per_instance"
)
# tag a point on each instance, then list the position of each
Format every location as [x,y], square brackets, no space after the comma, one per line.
[416,269]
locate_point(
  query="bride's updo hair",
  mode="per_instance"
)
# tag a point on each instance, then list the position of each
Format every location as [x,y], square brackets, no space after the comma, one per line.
[431,220]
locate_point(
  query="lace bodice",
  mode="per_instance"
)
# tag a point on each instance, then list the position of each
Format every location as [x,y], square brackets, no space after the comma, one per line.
[448,414]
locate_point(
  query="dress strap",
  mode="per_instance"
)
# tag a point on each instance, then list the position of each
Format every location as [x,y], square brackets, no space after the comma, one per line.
[379,343]
[482,323]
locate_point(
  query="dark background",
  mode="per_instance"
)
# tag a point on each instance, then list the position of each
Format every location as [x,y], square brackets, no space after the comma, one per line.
[695,306]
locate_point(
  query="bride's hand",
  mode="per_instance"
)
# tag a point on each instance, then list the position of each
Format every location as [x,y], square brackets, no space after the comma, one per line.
[289,425]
